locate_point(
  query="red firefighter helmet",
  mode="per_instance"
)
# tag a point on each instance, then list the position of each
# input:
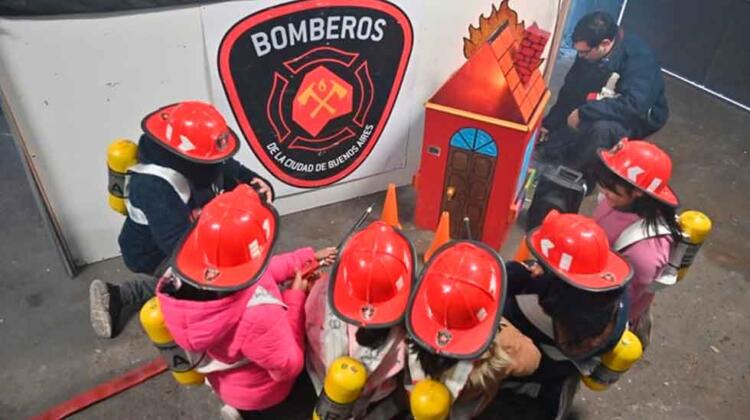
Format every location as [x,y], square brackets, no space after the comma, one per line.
[373,277]
[456,308]
[229,246]
[193,130]
[643,165]
[576,249]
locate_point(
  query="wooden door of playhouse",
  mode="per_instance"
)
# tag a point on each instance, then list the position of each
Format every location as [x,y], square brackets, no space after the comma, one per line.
[468,180]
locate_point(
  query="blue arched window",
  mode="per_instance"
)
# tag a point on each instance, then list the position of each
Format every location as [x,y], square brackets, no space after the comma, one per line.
[475,140]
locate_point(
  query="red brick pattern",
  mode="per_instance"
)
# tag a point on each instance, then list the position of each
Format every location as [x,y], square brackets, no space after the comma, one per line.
[528,56]
[508,52]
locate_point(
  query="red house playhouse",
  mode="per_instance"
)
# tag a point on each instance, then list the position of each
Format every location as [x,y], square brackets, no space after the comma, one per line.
[480,129]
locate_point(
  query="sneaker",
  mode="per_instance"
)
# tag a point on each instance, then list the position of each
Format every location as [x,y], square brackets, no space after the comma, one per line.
[229,413]
[105,306]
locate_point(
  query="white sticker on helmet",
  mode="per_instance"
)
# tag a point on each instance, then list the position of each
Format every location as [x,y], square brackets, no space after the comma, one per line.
[654,185]
[267,229]
[185,144]
[566,260]
[400,283]
[254,249]
[633,173]
[546,245]
[493,285]
[169,132]
[481,314]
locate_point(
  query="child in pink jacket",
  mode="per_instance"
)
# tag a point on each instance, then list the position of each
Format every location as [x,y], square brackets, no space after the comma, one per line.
[221,301]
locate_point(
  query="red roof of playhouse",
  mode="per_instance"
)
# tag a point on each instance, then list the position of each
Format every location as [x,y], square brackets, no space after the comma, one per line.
[491,82]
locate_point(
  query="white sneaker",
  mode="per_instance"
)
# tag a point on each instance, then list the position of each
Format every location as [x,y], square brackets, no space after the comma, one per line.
[100,308]
[229,413]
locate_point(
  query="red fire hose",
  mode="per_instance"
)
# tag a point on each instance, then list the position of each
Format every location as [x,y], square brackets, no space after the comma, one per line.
[105,390]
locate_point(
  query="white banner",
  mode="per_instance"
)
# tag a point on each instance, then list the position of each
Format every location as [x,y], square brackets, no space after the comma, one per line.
[75,84]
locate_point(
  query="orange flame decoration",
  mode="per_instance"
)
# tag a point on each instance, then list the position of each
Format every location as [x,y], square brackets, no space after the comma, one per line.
[488,25]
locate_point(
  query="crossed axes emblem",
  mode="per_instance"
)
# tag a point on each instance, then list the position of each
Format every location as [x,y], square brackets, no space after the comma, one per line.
[312,93]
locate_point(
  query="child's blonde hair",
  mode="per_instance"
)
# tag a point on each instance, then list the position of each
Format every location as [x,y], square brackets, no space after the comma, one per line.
[490,368]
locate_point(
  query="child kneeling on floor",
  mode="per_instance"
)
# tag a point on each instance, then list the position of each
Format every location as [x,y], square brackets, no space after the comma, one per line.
[221,300]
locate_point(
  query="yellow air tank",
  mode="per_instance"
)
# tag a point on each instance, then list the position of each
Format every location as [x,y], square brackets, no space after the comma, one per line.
[695,227]
[430,400]
[344,382]
[121,154]
[152,321]
[615,363]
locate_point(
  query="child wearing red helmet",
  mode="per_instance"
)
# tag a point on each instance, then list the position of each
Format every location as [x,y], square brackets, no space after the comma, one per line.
[184,160]
[222,302]
[637,211]
[570,302]
[359,313]
[457,332]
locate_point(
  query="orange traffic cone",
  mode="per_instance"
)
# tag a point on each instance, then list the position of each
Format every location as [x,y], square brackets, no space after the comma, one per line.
[522,252]
[390,208]
[442,235]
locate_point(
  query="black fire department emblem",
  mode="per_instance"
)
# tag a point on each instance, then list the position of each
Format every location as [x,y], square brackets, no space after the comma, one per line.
[312,83]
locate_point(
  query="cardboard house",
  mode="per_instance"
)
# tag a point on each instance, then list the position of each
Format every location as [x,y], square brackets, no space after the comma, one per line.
[480,130]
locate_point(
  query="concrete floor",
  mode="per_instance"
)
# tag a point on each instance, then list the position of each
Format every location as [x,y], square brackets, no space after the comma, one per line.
[697,368]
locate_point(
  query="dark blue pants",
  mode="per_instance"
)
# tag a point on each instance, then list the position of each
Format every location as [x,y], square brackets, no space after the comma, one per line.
[138,291]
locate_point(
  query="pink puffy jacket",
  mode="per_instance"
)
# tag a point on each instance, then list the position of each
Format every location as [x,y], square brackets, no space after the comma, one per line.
[269,336]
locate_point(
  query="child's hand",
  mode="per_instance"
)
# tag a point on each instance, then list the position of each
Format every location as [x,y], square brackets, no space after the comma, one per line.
[326,256]
[299,282]
[263,189]
[543,135]
[313,277]
[534,268]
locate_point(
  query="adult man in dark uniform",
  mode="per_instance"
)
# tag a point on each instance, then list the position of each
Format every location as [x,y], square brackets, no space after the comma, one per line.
[636,106]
